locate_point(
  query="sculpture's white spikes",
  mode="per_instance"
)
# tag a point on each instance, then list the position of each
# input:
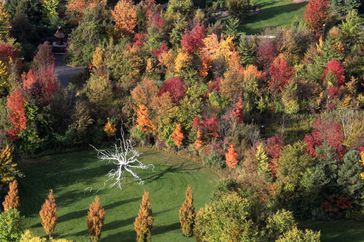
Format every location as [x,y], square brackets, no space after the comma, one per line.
[125,157]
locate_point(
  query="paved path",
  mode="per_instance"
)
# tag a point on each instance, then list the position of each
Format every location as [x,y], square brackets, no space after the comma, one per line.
[63,72]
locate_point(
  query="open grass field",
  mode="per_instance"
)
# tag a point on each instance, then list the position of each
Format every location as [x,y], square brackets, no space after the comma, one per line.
[71,176]
[274,13]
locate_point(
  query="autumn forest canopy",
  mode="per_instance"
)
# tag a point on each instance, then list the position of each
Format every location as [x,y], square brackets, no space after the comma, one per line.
[258,102]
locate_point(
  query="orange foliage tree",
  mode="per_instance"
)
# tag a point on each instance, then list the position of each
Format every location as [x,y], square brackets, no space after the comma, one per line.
[143,121]
[231,157]
[95,219]
[144,221]
[187,214]
[198,143]
[48,214]
[12,200]
[125,16]
[178,136]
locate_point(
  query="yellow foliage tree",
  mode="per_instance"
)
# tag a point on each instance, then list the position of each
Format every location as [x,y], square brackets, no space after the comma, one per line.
[4,23]
[8,168]
[182,61]
[144,221]
[12,200]
[125,16]
[110,128]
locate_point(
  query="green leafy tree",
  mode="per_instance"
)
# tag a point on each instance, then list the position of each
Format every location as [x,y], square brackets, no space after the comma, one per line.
[349,175]
[86,37]
[231,27]
[11,226]
[227,219]
[51,10]
[300,236]
[4,23]
[279,223]
[247,49]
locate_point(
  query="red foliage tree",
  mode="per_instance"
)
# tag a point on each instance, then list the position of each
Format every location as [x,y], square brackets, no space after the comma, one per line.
[316,15]
[157,52]
[41,84]
[175,87]
[29,80]
[214,86]
[266,52]
[209,126]
[16,112]
[335,68]
[238,112]
[157,21]
[273,148]
[193,40]
[44,57]
[281,72]
[48,82]
[231,157]
[6,52]
[139,40]
[330,132]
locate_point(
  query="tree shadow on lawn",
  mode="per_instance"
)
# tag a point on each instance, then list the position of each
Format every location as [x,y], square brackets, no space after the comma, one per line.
[128,235]
[180,168]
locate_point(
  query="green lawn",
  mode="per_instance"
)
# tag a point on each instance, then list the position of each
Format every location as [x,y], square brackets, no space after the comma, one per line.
[338,231]
[74,175]
[274,13]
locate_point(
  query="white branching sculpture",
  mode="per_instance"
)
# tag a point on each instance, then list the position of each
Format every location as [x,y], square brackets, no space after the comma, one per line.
[126,159]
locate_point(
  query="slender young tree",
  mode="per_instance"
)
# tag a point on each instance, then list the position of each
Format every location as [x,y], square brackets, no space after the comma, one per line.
[231,157]
[198,143]
[144,221]
[178,136]
[187,214]
[12,200]
[48,214]
[95,219]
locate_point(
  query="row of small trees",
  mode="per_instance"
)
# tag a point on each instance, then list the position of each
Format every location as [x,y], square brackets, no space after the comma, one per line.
[143,223]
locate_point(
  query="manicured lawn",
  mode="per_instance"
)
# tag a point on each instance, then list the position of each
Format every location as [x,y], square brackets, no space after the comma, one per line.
[77,177]
[274,13]
[338,231]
